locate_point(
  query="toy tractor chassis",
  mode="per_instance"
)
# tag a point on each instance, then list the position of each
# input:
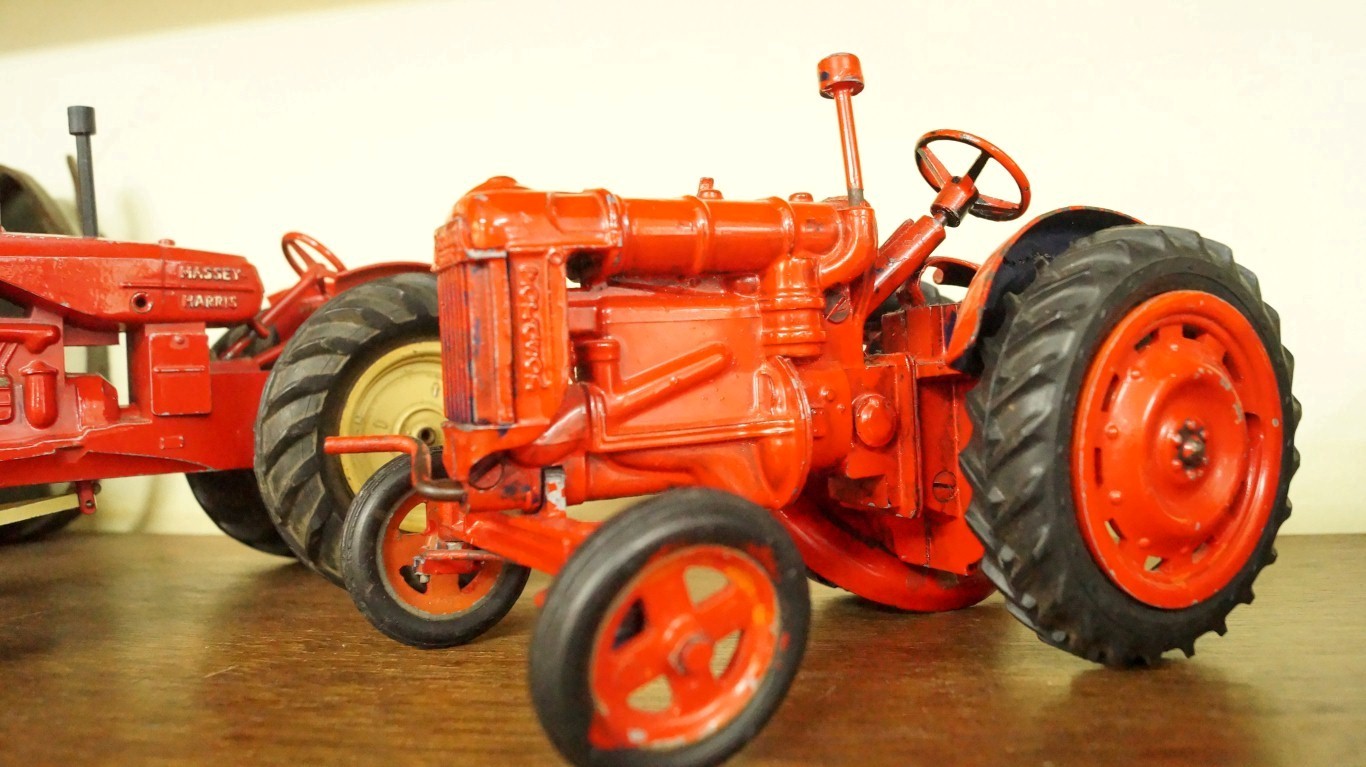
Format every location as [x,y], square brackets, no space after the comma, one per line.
[191,407]
[1102,429]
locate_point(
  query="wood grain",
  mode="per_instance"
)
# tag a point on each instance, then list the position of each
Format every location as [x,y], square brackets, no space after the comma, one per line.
[158,650]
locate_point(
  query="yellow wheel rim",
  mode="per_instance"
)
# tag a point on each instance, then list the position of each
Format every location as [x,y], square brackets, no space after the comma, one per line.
[400,393]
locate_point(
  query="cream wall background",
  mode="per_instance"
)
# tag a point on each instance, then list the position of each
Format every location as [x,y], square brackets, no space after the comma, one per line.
[223,125]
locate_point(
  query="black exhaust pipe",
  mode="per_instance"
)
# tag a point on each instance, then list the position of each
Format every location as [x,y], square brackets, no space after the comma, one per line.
[81,122]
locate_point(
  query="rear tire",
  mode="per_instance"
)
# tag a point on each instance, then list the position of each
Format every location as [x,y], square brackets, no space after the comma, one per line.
[35,527]
[232,499]
[306,491]
[1048,518]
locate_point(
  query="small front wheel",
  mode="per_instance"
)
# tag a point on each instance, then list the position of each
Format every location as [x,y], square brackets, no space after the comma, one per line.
[672,635]
[386,532]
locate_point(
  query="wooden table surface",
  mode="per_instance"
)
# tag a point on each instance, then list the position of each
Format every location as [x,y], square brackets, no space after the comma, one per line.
[154,650]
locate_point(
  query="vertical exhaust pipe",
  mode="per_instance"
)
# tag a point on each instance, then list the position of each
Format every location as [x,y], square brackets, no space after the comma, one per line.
[841,79]
[80,122]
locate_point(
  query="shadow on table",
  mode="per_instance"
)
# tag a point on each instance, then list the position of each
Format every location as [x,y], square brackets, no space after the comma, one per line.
[291,667]
[40,581]
[974,687]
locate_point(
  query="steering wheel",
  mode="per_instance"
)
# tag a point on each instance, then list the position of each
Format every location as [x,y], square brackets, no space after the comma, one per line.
[296,247]
[989,208]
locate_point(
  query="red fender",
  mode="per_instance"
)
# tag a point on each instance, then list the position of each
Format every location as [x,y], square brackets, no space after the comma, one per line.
[1011,268]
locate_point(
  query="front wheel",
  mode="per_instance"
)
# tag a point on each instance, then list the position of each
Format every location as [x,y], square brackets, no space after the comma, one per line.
[1133,444]
[672,635]
[386,533]
[367,362]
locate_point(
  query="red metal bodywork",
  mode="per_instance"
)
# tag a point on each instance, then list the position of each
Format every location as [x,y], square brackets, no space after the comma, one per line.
[714,342]
[186,410]
[1182,394]
[1044,237]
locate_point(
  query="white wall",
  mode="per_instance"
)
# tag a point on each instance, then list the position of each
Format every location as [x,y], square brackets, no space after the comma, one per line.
[362,123]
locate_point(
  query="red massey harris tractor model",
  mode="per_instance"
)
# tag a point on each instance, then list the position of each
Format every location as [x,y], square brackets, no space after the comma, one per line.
[191,407]
[1102,430]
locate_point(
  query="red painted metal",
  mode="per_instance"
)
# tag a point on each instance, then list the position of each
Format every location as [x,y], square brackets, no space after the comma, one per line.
[40,393]
[100,284]
[543,541]
[872,570]
[1071,222]
[299,248]
[982,206]
[596,346]
[435,581]
[714,342]
[841,79]
[657,631]
[1183,396]
[85,496]
[416,450]
[186,411]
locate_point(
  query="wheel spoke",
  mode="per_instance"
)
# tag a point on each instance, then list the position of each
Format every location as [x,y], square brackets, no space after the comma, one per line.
[937,170]
[633,665]
[666,594]
[1213,345]
[692,691]
[725,611]
[987,207]
[470,584]
[404,547]
[1170,333]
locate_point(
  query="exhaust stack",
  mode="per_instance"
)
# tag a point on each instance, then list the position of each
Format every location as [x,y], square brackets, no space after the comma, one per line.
[80,122]
[841,79]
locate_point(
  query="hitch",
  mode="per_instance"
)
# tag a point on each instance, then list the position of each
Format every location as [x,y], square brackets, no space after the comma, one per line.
[82,496]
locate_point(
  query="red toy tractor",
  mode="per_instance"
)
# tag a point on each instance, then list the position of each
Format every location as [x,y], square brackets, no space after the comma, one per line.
[191,407]
[1102,430]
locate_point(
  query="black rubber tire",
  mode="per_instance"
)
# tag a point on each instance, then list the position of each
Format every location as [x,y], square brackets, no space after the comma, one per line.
[29,208]
[232,499]
[1023,411]
[35,527]
[371,591]
[305,490]
[580,599]
[816,577]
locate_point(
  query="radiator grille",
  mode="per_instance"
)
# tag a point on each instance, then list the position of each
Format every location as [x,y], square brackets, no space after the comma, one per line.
[476,341]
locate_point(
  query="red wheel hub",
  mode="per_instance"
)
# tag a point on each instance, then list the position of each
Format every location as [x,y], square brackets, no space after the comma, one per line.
[1177,448]
[671,666]
[452,590]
